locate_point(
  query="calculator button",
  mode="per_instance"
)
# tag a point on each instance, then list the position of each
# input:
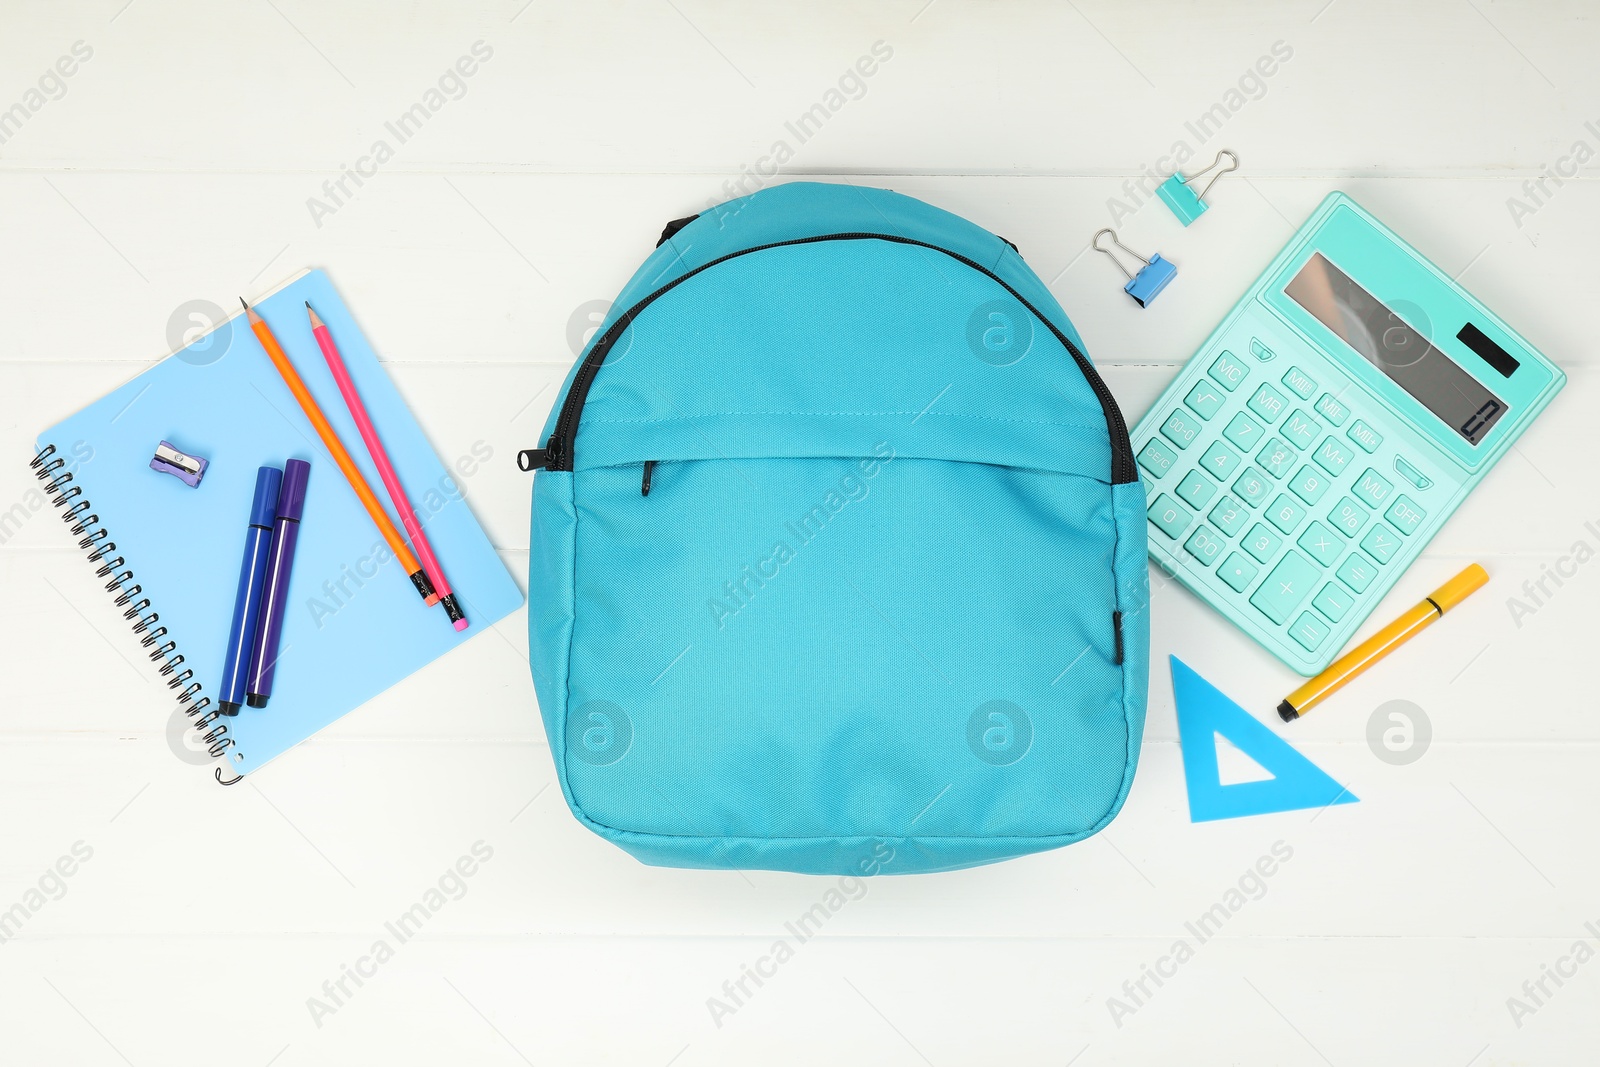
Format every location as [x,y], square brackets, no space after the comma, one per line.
[1381,543]
[1405,515]
[1180,429]
[1196,489]
[1364,435]
[1170,517]
[1357,572]
[1285,514]
[1237,572]
[1373,488]
[1204,546]
[1219,460]
[1229,515]
[1243,431]
[1289,583]
[1321,544]
[1309,631]
[1411,474]
[1262,543]
[1259,350]
[1333,601]
[1328,407]
[1332,456]
[1204,400]
[1309,484]
[1300,429]
[1348,516]
[1276,458]
[1229,372]
[1252,485]
[1156,458]
[1300,383]
[1268,403]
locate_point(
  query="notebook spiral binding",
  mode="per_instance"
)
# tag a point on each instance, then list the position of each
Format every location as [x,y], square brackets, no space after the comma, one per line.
[128,595]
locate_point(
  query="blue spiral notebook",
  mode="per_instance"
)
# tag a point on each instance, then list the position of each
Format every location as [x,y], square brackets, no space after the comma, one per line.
[355,625]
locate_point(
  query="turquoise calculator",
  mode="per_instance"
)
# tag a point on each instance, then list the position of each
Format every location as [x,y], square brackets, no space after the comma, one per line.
[1325,431]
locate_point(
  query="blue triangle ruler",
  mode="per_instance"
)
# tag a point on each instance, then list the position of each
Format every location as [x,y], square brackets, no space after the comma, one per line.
[1205,711]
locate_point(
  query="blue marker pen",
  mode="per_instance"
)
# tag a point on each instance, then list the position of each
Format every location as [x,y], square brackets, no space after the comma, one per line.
[275,598]
[247,600]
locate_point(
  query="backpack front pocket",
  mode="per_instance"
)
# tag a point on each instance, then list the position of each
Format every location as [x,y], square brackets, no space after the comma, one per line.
[872,645]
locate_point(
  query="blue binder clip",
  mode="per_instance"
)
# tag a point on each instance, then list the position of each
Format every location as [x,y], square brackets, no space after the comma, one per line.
[1145,285]
[1177,192]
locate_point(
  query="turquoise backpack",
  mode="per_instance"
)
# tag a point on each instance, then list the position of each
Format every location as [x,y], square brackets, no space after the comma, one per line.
[838,551]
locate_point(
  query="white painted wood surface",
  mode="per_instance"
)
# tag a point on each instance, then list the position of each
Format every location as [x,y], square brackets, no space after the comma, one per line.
[175,164]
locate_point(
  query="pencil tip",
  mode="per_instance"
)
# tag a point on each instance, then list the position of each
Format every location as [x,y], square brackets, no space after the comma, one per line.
[246,306]
[308,305]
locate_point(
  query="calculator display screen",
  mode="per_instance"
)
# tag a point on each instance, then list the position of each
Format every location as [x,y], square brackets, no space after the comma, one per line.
[1388,343]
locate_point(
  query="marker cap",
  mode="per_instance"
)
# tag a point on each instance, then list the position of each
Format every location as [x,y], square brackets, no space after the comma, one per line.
[292,498]
[1459,588]
[264,508]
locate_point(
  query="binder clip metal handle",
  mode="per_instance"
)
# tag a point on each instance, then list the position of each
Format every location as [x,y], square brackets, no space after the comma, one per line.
[1145,284]
[1178,192]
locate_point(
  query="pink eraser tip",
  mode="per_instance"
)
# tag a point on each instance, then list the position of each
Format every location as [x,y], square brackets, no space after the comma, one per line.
[461,624]
[431,599]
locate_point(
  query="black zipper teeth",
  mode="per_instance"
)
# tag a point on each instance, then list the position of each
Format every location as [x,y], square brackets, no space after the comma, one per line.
[559,447]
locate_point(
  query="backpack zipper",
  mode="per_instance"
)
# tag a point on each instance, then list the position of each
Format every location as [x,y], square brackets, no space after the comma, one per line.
[558,449]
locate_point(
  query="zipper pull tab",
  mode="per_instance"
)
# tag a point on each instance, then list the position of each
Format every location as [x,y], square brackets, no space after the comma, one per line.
[529,459]
[649,468]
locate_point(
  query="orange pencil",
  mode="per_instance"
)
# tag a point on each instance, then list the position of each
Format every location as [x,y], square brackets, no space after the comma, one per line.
[352,474]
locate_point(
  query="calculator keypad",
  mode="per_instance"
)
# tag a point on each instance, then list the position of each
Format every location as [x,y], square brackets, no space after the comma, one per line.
[1265,478]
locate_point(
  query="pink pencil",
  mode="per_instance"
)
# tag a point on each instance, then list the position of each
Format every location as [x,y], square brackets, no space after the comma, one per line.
[391,480]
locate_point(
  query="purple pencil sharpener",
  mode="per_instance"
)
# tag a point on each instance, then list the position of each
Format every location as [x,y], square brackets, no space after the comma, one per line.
[182,466]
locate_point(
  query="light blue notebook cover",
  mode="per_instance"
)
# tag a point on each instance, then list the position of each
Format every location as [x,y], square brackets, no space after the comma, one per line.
[355,625]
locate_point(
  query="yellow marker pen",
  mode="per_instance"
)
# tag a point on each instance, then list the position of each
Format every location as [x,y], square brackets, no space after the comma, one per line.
[1380,644]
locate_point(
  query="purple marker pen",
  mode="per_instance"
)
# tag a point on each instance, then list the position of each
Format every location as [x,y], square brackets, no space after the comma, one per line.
[275,597]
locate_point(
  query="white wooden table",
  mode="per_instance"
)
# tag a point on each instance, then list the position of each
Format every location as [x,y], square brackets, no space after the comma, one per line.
[180,161]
